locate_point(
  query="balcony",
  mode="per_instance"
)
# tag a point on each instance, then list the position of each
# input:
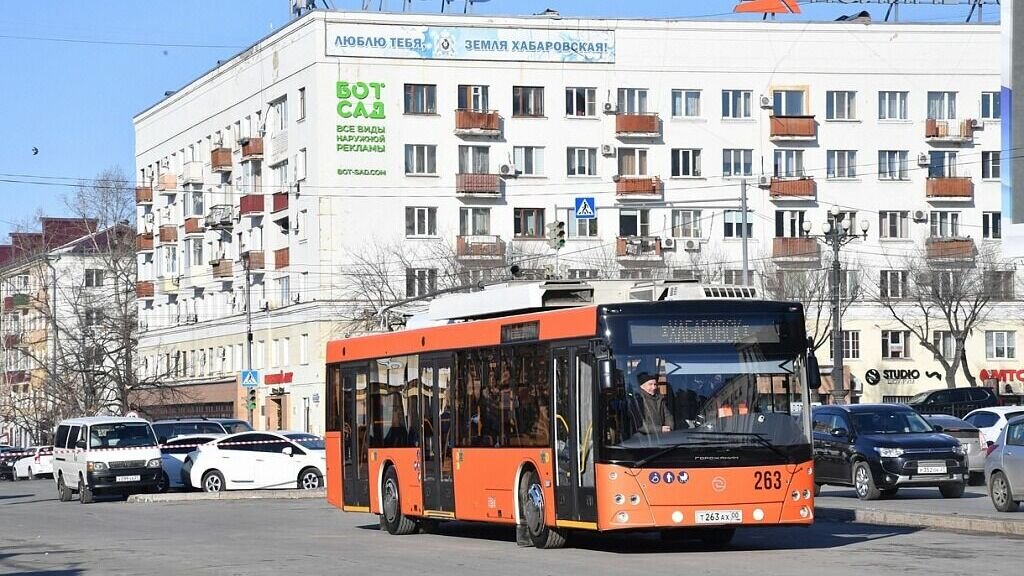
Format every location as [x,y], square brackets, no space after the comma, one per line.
[637,126]
[638,248]
[255,259]
[220,217]
[639,187]
[479,247]
[192,172]
[950,248]
[252,148]
[167,183]
[474,123]
[168,233]
[951,188]
[793,128]
[17,376]
[220,160]
[144,242]
[251,204]
[143,195]
[16,301]
[170,285]
[796,250]
[281,258]
[949,131]
[222,268]
[194,226]
[793,188]
[144,289]
[279,201]
[482,184]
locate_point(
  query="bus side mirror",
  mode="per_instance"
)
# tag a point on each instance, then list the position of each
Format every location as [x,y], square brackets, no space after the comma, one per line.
[813,372]
[606,373]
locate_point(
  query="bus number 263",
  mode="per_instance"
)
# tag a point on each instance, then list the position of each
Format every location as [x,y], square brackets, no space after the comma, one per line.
[767,480]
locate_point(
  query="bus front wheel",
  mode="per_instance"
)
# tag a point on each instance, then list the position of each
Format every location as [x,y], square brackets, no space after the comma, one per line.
[531,513]
[392,518]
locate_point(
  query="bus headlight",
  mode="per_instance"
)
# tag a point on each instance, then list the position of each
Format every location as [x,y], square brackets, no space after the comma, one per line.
[622,517]
[620,499]
[796,495]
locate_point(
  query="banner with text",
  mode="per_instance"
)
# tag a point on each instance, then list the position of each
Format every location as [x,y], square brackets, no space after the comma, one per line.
[470,43]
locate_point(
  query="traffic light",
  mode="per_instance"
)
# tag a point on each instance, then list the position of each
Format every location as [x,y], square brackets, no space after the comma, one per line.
[556,234]
[252,399]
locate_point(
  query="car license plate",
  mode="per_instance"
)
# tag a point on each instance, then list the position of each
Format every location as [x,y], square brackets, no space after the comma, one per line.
[931,469]
[134,478]
[719,516]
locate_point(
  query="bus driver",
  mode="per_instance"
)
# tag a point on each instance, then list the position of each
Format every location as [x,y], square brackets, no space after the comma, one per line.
[654,412]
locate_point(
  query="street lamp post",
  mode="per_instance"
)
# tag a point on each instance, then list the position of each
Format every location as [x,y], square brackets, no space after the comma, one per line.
[837,233]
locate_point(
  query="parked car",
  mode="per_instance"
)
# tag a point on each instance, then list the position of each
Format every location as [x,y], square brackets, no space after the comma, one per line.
[174,453]
[167,429]
[106,454]
[992,420]
[8,456]
[251,460]
[880,448]
[1004,467]
[969,436]
[38,463]
[956,401]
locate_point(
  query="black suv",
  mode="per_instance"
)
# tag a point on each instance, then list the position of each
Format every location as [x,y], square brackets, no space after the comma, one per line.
[955,401]
[878,448]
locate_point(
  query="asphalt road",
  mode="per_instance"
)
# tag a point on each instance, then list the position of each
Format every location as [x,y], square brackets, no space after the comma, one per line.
[39,535]
[974,503]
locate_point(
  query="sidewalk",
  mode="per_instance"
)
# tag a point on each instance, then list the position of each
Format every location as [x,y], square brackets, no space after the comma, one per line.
[293,494]
[921,508]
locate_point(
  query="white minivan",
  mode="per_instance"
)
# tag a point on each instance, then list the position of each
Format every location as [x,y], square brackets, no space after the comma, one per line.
[105,455]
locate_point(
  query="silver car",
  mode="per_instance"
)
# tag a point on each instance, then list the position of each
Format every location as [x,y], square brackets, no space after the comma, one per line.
[969,436]
[1004,467]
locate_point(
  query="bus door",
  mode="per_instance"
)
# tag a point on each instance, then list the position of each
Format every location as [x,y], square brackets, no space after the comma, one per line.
[437,435]
[573,380]
[355,483]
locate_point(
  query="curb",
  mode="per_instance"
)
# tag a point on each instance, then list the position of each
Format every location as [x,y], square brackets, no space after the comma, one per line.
[291,494]
[953,523]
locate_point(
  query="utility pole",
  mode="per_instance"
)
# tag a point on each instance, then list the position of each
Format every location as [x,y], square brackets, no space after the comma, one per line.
[743,210]
[248,325]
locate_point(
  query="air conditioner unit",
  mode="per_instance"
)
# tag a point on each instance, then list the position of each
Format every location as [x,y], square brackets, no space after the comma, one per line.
[920,216]
[692,245]
[668,243]
[607,150]
[764,181]
[616,178]
[507,170]
[922,160]
[610,108]
[766,101]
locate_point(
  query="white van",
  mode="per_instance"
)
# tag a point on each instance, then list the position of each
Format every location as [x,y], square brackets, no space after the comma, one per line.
[105,454]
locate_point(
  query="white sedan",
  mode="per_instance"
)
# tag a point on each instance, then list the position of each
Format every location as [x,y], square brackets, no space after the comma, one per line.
[173,454]
[992,420]
[39,463]
[253,460]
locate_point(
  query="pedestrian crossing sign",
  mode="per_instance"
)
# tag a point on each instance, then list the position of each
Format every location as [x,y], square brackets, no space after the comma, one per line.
[250,379]
[585,208]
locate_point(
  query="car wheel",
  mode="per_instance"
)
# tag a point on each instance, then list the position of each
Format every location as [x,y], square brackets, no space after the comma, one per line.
[14,475]
[213,481]
[889,492]
[717,537]
[952,490]
[310,479]
[63,492]
[85,495]
[817,489]
[863,483]
[999,491]
[31,476]
[531,510]
[392,518]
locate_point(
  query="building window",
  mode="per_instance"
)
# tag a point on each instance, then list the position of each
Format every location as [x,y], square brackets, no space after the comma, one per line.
[892,165]
[789,223]
[582,162]
[421,159]
[194,204]
[580,228]
[584,274]
[849,284]
[421,99]
[991,225]
[93,278]
[634,222]
[990,165]
[1000,345]
[474,221]
[735,277]
[420,221]
[734,224]
[304,349]
[686,103]
[942,105]
[529,160]
[302,104]
[736,103]
[473,98]
[991,107]
[893,284]
[275,352]
[279,114]
[851,345]
[300,224]
[998,285]
[685,162]
[789,163]
[581,102]
[840,105]
[892,106]
[93,317]
[686,223]
[841,164]
[300,165]
[170,258]
[632,161]
[944,224]
[893,224]
[946,344]
[527,101]
[195,249]
[737,162]
[632,101]
[894,344]
[474,160]
[529,222]
[787,103]
[420,282]
[635,274]
[941,164]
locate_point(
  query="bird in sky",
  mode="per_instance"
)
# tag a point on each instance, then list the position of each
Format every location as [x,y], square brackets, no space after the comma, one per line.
[35,151]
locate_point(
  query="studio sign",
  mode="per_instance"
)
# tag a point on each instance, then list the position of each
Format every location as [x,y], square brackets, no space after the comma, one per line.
[873,376]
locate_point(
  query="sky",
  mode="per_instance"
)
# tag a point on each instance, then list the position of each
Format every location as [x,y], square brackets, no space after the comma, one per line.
[74,73]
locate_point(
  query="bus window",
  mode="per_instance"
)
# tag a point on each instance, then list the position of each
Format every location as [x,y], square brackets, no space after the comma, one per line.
[389,387]
[333,422]
[531,413]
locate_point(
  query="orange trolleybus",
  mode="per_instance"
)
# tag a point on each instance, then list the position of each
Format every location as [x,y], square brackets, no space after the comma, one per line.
[687,416]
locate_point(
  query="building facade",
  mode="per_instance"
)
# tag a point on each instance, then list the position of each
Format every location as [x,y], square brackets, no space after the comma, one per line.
[356,159]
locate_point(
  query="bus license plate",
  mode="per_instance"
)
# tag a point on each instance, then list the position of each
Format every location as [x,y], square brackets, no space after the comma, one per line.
[719,516]
[135,478]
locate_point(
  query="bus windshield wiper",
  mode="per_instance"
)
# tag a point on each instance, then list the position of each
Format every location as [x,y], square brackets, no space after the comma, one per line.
[757,436]
[639,463]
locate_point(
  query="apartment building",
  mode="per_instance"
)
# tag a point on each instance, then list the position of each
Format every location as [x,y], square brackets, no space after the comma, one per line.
[351,159]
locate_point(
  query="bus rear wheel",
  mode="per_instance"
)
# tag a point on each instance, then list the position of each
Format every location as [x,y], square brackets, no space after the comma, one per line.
[392,518]
[531,513]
